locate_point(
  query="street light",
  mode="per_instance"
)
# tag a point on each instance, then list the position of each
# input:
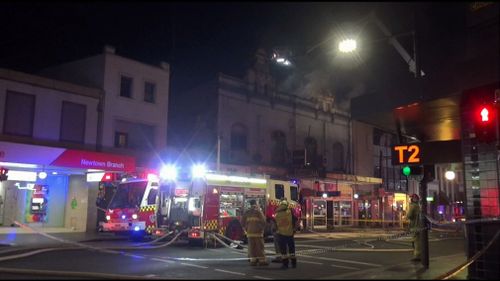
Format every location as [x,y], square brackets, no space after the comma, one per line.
[449,175]
[347,46]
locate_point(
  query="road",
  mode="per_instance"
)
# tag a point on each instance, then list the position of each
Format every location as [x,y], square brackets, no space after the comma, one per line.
[318,258]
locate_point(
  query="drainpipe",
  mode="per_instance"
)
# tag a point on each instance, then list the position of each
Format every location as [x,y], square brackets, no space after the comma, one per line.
[100,122]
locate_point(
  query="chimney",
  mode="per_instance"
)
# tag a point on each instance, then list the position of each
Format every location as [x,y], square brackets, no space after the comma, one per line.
[108,49]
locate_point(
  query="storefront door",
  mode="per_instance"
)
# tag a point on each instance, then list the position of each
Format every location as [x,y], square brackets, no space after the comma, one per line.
[319,214]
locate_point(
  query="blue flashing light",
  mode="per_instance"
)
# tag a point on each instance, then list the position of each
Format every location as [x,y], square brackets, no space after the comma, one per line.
[198,171]
[137,228]
[168,172]
[123,217]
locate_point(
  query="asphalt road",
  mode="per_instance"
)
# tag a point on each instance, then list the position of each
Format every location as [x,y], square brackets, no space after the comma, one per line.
[317,258]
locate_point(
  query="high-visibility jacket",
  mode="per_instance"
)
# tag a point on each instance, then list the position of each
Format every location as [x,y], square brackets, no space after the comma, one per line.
[254,222]
[284,221]
[414,216]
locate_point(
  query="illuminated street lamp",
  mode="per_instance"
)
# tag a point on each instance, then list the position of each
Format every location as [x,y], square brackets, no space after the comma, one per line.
[347,46]
[449,175]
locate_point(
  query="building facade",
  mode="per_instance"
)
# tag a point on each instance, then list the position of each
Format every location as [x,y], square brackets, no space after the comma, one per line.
[49,130]
[134,104]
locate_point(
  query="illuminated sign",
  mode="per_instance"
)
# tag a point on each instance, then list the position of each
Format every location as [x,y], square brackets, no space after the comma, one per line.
[406,154]
[94,177]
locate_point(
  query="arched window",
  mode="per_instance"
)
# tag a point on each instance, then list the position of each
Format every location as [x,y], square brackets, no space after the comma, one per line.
[238,137]
[278,148]
[338,157]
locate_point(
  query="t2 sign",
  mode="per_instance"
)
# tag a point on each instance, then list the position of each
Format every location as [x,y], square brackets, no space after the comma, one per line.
[406,154]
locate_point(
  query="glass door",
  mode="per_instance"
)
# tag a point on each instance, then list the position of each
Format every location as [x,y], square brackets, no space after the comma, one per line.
[319,214]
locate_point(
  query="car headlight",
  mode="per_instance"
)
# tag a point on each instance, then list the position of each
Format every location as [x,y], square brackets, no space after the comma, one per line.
[134,216]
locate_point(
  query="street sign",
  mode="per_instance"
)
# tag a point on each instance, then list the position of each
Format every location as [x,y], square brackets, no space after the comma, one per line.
[406,154]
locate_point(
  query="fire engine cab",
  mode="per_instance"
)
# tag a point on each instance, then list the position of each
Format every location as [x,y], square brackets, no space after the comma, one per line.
[133,206]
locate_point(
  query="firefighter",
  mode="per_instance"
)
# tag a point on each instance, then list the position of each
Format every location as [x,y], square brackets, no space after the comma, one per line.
[285,222]
[254,222]
[415,226]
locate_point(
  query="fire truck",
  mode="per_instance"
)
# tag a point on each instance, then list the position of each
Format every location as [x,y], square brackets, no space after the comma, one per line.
[199,201]
[147,205]
[220,201]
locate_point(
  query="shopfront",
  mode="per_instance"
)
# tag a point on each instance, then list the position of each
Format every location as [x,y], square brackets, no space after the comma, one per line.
[329,202]
[51,187]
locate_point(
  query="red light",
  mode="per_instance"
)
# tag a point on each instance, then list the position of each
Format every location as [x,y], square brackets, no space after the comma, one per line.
[485,114]
[107,177]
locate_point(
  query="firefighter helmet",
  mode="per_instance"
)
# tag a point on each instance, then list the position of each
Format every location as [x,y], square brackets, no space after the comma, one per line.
[284,203]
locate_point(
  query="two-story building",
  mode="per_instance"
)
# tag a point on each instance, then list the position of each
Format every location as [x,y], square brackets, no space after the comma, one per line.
[49,132]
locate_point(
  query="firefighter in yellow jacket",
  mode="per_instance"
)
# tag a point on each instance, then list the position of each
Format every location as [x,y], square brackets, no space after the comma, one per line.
[415,226]
[254,223]
[285,222]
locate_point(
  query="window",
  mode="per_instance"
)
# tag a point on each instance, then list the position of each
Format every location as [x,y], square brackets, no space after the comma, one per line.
[338,157]
[19,114]
[294,193]
[128,195]
[73,117]
[278,148]
[126,87]
[121,139]
[149,92]
[279,191]
[138,136]
[238,137]
[152,196]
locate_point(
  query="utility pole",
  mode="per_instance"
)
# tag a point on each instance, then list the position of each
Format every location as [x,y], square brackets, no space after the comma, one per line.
[424,235]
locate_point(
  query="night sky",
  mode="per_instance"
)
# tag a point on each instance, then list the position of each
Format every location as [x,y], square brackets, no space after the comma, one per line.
[201,39]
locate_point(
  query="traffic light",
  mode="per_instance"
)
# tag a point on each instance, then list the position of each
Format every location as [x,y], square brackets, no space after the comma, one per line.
[3,174]
[485,122]
[411,170]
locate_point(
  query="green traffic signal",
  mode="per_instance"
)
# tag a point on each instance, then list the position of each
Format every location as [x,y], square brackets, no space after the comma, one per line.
[406,170]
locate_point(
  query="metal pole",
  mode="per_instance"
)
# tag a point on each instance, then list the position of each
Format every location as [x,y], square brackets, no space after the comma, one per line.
[424,235]
[218,153]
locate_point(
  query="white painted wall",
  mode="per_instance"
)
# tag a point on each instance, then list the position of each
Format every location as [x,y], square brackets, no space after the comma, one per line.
[77,218]
[135,109]
[48,106]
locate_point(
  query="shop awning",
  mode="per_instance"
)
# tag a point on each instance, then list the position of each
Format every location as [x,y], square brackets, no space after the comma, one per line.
[352,179]
[35,156]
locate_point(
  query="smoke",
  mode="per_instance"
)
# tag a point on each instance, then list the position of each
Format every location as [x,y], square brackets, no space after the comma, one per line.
[357,90]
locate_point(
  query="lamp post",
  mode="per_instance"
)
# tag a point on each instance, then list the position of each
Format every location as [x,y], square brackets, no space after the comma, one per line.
[349,45]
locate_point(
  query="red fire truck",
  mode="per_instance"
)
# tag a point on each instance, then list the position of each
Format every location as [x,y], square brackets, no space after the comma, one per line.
[198,201]
[147,205]
[220,201]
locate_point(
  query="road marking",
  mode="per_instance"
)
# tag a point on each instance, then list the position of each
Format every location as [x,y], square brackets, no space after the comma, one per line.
[343,260]
[231,272]
[162,260]
[341,266]
[150,275]
[194,265]
[134,256]
[312,262]
[260,277]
